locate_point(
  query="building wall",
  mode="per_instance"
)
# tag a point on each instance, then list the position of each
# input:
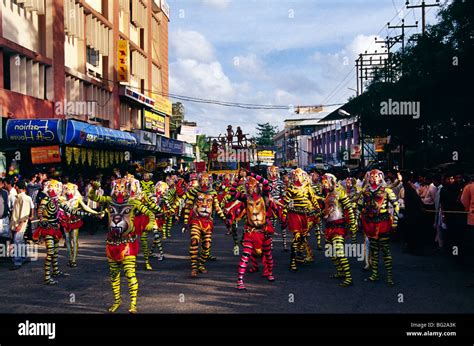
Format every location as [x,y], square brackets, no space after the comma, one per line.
[332,139]
[44,58]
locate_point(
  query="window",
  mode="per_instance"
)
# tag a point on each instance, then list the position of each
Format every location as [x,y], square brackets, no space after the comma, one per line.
[24,75]
[93,56]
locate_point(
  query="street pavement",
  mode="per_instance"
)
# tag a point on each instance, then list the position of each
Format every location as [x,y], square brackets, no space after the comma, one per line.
[424,284]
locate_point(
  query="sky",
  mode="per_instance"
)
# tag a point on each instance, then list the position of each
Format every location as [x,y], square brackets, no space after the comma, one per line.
[276,52]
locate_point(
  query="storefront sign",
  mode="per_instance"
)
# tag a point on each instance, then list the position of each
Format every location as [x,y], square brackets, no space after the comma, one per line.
[163,105]
[84,134]
[123,71]
[188,150]
[266,156]
[146,140]
[42,155]
[34,131]
[153,121]
[169,145]
[138,97]
[188,134]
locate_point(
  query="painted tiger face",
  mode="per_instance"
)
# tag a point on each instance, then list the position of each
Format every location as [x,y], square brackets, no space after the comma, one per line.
[252,186]
[300,177]
[121,190]
[171,180]
[315,177]
[375,177]
[204,204]
[329,182]
[350,182]
[70,190]
[160,188]
[256,215]
[205,180]
[119,220]
[273,172]
[53,188]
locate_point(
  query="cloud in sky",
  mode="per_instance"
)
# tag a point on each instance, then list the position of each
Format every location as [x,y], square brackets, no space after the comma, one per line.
[191,45]
[219,4]
[271,52]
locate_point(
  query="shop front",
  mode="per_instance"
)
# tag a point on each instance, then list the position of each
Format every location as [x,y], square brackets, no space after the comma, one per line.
[28,143]
[145,150]
[91,146]
[170,149]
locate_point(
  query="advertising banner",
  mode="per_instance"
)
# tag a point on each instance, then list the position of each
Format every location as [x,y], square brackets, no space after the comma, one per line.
[48,154]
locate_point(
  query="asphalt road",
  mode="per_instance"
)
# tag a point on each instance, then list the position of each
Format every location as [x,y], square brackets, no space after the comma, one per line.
[428,284]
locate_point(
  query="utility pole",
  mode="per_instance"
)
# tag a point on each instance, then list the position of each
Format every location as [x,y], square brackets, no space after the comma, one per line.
[403,26]
[423,7]
[389,42]
[368,65]
[402,36]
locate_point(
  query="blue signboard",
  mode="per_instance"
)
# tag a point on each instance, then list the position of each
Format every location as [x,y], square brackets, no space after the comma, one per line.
[34,131]
[84,134]
[169,145]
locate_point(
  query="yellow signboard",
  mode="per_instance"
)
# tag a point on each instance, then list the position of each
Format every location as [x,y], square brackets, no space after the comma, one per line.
[123,71]
[266,153]
[379,143]
[154,122]
[162,104]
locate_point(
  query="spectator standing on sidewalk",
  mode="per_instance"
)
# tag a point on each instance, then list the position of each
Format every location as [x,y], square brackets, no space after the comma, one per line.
[451,204]
[9,184]
[21,213]
[467,199]
[4,212]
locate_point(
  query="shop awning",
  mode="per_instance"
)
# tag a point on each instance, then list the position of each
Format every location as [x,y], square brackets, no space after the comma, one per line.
[84,134]
[34,131]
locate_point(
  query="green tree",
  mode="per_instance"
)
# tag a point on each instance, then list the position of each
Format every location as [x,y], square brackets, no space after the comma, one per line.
[265,134]
[436,71]
[202,142]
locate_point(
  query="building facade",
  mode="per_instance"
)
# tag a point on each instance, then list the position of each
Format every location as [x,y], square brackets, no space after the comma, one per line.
[59,60]
[334,138]
[99,62]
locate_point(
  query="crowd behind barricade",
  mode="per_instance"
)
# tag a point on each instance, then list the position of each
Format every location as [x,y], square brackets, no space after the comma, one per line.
[428,213]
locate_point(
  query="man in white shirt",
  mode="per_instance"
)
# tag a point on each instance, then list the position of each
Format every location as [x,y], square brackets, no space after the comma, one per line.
[12,193]
[21,212]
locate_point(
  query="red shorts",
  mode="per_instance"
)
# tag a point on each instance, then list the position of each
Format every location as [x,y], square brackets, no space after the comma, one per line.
[374,229]
[160,222]
[336,228]
[204,224]
[140,222]
[43,232]
[71,225]
[298,223]
[118,252]
[256,238]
